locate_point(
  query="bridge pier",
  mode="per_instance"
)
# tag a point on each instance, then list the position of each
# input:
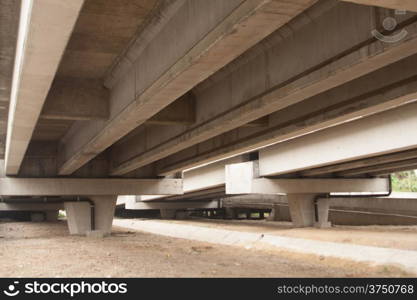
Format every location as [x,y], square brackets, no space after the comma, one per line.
[83,215]
[306,210]
[303,194]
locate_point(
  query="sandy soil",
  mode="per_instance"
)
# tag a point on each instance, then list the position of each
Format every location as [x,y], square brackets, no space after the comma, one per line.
[399,237]
[46,250]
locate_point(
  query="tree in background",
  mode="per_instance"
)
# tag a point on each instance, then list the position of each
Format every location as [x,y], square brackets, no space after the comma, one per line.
[404,181]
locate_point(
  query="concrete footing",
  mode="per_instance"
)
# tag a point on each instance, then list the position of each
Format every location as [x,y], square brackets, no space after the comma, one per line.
[80,219]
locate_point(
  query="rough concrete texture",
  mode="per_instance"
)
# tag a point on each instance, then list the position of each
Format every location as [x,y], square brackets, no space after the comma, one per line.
[79,217]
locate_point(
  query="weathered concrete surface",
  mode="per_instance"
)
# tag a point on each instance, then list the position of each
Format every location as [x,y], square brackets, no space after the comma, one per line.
[302,209]
[45,29]
[222,31]
[9,20]
[339,144]
[267,88]
[394,4]
[88,186]
[242,178]
[79,215]
[381,90]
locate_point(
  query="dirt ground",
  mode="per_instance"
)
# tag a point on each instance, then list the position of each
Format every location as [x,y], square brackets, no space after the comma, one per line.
[398,237]
[46,250]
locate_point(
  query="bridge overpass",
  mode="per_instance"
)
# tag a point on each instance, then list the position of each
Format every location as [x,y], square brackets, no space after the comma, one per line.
[194,99]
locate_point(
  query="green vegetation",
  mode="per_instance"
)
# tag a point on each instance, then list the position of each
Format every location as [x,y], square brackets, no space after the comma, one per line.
[404,181]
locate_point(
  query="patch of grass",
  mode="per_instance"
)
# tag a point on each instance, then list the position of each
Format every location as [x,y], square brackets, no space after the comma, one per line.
[404,181]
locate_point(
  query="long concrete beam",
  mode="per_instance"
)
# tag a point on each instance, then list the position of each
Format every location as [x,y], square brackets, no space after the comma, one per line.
[44,30]
[240,25]
[30,206]
[356,99]
[410,5]
[409,163]
[356,62]
[362,163]
[243,178]
[130,203]
[88,187]
[207,177]
[383,133]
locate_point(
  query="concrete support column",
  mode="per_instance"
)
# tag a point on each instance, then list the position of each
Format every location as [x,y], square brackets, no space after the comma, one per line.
[274,215]
[79,215]
[323,213]
[303,211]
[51,215]
[168,213]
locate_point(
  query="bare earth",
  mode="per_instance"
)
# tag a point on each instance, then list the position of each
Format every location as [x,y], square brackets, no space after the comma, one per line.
[46,250]
[398,237]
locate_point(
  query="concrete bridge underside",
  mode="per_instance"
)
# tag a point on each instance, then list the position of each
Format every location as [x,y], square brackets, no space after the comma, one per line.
[194,100]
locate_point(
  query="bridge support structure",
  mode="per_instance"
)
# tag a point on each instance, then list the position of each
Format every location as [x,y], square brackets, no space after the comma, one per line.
[306,197]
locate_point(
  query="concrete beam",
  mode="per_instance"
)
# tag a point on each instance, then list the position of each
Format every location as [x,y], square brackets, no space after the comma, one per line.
[45,28]
[383,133]
[76,99]
[410,5]
[88,187]
[31,206]
[362,97]
[242,179]
[362,163]
[409,163]
[357,61]
[132,204]
[207,177]
[224,32]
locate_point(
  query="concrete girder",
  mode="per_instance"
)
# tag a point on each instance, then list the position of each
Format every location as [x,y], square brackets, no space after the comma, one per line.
[362,163]
[207,177]
[378,168]
[9,23]
[360,60]
[410,5]
[242,178]
[131,203]
[45,28]
[362,97]
[383,133]
[88,187]
[240,25]
[31,206]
